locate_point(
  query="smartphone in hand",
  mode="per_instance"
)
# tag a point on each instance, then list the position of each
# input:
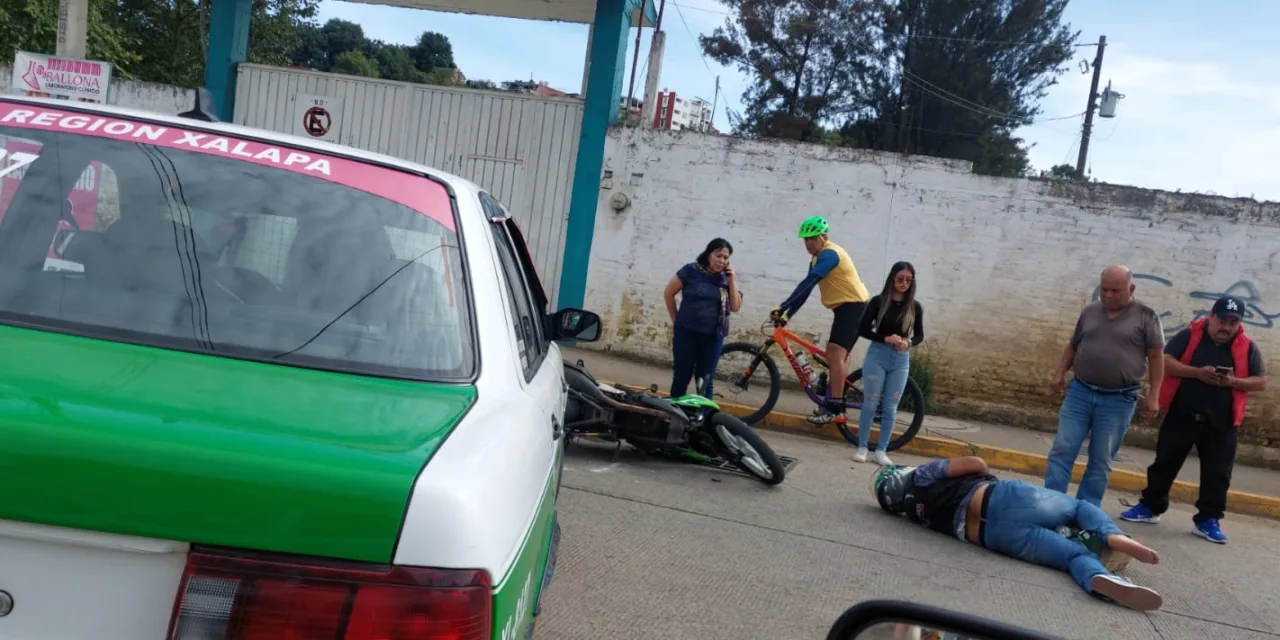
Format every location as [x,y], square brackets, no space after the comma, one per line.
[1223,371]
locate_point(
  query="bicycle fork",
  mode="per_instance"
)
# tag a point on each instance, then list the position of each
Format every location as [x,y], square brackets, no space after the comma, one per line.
[755,362]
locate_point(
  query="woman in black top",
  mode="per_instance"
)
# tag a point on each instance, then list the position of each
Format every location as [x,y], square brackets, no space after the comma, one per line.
[894,322]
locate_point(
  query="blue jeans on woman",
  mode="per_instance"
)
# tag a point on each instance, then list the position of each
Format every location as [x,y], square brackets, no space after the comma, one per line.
[1022,521]
[1103,415]
[884,377]
[696,355]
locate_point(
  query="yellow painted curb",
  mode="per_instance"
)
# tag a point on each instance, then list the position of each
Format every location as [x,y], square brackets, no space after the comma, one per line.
[1008,459]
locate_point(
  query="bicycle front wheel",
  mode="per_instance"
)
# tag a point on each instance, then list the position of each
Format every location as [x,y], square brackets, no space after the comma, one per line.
[909,418]
[749,373]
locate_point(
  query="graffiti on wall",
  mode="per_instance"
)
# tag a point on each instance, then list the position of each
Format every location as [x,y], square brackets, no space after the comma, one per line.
[1243,290]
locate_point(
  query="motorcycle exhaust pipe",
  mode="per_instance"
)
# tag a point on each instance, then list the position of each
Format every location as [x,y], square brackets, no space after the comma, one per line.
[632,408]
[598,397]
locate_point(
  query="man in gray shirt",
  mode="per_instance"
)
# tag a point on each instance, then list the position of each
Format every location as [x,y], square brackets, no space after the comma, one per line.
[1116,341]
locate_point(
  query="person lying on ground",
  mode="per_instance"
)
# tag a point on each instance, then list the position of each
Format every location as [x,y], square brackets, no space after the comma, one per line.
[960,497]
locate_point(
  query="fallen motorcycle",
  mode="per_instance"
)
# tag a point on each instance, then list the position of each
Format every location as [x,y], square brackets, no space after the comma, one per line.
[690,426]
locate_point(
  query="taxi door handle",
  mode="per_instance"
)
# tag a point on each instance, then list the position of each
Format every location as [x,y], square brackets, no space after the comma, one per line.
[557,429]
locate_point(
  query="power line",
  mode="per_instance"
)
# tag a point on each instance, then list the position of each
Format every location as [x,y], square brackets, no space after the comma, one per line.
[986,41]
[984,111]
[947,96]
[945,133]
[938,92]
[1066,159]
[694,38]
[1112,132]
[702,54]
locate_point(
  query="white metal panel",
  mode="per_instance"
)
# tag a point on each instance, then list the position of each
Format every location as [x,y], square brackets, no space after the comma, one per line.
[519,148]
[551,154]
[120,587]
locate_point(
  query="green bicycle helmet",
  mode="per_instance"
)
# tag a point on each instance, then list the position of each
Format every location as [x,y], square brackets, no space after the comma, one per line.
[813,227]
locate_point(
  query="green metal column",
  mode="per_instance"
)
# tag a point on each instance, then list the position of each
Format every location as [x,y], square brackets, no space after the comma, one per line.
[228,47]
[607,55]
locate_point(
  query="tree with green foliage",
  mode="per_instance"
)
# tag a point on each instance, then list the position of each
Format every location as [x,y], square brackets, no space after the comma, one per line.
[341,36]
[432,51]
[930,77]
[167,41]
[155,41]
[322,47]
[959,79]
[395,62]
[1062,172]
[805,59]
[355,63]
[32,25]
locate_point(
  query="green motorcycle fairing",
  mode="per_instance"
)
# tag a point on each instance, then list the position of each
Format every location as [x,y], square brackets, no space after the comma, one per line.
[694,401]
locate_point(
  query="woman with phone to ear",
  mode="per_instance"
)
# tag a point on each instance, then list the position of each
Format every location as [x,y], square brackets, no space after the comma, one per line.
[708,294]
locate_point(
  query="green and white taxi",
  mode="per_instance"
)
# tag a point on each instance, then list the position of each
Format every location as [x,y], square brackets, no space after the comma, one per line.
[258,387]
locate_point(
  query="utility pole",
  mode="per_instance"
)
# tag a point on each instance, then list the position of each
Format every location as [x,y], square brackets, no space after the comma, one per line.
[1088,112]
[73,28]
[715,101]
[635,60]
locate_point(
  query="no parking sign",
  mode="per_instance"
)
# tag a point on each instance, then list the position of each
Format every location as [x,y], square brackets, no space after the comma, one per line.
[317,117]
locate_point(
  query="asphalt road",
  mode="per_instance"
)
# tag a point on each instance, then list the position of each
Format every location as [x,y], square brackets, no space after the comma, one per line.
[655,550]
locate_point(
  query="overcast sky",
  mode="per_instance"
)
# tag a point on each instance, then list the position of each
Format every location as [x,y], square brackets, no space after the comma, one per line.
[1201,81]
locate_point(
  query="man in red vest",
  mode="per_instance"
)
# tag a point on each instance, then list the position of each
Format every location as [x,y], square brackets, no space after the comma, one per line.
[1210,369]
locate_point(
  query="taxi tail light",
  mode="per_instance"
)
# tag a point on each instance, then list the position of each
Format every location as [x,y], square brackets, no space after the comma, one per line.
[238,597]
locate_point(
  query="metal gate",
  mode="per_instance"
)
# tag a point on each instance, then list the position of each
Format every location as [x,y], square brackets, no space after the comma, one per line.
[520,148]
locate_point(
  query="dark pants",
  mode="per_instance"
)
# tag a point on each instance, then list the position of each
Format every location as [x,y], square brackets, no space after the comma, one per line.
[1217,449]
[696,355]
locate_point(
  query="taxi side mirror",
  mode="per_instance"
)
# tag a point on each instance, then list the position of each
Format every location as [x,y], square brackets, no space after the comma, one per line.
[574,324]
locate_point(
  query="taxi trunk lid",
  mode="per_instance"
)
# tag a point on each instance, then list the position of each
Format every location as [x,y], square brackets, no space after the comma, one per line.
[123,439]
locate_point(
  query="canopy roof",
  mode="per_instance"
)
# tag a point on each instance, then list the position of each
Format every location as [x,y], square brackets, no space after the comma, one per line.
[579,11]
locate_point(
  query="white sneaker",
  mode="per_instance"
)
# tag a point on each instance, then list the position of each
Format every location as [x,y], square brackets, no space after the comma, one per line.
[1125,593]
[882,459]
[861,455]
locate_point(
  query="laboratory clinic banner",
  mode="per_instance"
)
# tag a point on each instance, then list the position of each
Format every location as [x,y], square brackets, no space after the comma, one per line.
[46,76]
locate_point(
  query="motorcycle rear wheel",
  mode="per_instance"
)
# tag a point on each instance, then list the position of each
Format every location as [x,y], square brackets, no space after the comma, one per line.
[742,446]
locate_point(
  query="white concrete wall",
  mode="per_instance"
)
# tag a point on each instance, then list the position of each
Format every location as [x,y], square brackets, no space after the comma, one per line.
[150,96]
[1003,265]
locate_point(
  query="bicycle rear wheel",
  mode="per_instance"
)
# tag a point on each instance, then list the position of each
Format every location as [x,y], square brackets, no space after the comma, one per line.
[749,372]
[912,404]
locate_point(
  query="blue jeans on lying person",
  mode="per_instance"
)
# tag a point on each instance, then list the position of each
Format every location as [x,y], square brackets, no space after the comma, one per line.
[1022,521]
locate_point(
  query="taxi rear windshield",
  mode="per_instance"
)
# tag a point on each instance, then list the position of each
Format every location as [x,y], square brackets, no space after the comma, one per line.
[270,254]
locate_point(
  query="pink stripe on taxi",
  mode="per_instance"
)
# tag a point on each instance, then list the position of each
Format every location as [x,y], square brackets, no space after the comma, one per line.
[420,194]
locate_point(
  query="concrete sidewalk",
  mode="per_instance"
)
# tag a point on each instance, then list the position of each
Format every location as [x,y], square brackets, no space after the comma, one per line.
[1129,468]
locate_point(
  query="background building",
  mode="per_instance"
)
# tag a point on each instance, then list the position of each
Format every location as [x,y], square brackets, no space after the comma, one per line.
[673,112]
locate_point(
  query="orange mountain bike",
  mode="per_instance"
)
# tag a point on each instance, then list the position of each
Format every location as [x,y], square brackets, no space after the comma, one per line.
[740,367]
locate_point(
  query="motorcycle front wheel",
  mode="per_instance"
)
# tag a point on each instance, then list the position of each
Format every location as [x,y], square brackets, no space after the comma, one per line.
[742,446]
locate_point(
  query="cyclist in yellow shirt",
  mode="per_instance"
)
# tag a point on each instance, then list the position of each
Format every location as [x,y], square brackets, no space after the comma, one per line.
[842,291]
